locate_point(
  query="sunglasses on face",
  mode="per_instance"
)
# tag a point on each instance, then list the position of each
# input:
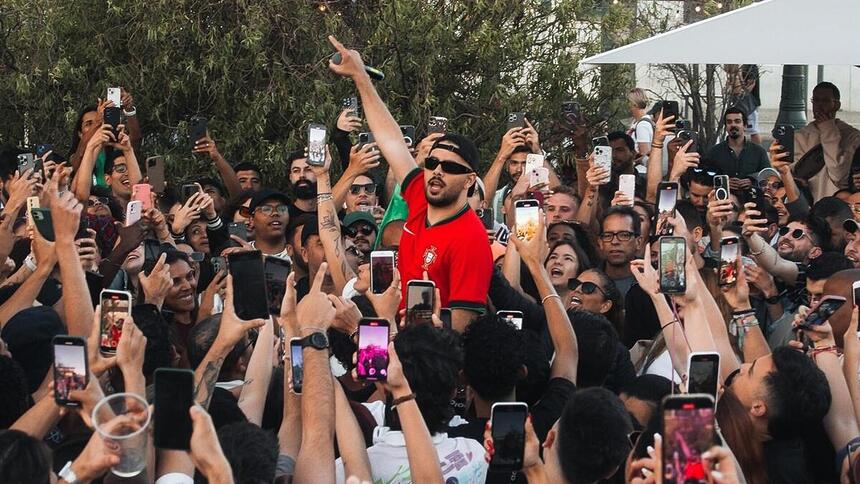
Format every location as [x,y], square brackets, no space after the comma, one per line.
[361,229]
[623,236]
[269,209]
[705,171]
[764,185]
[369,188]
[245,211]
[449,167]
[584,287]
[93,201]
[796,234]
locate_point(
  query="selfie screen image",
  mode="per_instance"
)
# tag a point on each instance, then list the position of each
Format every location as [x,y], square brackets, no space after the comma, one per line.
[688,434]
[672,265]
[114,312]
[383,273]
[372,361]
[69,370]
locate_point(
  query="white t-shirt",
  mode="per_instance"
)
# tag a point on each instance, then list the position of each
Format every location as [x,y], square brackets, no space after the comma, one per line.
[643,130]
[461,459]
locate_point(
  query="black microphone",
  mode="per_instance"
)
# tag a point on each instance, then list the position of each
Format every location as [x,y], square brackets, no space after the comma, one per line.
[372,72]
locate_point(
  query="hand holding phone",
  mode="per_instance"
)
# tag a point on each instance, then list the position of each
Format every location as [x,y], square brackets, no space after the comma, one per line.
[371,362]
[672,265]
[526,216]
[316,144]
[115,309]
[71,370]
[688,432]
[420,300]
[249,289]
[381,270]
[509,435]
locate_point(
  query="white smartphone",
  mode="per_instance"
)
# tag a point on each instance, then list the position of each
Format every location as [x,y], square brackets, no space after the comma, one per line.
[133,212]
[381,270]
[533,160]
[115,94]
[538,176]
[526,213]
[603,158]
[627,185]
[856,291]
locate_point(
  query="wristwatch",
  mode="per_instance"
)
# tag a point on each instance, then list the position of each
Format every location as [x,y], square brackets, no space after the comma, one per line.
[67,474]
[316,340]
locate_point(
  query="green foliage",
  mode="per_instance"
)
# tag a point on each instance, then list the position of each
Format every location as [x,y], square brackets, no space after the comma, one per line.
[258,68]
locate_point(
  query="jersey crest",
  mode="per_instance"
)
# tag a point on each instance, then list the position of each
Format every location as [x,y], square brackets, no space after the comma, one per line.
[429,257]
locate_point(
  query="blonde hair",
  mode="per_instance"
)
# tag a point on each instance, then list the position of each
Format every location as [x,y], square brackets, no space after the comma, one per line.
[638,97]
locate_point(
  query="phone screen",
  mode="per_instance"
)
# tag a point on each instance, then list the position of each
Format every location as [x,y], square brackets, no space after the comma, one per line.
[513,317]
[728,261]
[666,208]
[174,396]
[297,365]
[276,271]
[672,258]
[508,436]
[823,311]
[445,316]
[381,271]
[419,302]
[856,293]
[188,190]
[70,368]
[115,307]
[703,373]
[526,217]
[316,145]
[372,360]
[688,432]
[249,289]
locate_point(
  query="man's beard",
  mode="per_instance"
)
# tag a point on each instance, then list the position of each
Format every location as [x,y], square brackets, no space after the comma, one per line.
[734,134]
[305,189]
[444,198]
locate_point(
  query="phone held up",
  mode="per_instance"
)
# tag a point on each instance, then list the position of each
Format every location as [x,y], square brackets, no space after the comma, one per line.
[249,289]
[174,396]
[822,311]
[316,144]
[372,359]
[381,270]
[71,371]
[420,299]
[526,217]
[509,435]
[297,365]
[688,431]
[672,265]
[703,372]
[115,309]
[667,198]
[729,257]
[513,317]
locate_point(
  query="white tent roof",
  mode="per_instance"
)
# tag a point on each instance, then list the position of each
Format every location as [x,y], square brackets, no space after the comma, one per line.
[770,32]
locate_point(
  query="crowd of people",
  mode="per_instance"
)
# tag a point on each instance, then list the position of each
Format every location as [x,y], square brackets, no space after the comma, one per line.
[596,348]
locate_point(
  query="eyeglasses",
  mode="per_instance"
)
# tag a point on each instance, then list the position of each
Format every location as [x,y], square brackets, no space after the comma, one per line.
[120,168]
[584,287]
[449,167]
[369,188]
[93,201]
[245,211]
[269,209]
[359,255]
[361,229]
[623,236]
[796,234]
[764,185]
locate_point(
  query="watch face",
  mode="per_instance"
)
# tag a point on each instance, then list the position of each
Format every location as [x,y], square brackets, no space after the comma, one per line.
[318,340]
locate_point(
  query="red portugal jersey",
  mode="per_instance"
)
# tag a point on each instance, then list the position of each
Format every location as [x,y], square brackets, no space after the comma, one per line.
[455,252]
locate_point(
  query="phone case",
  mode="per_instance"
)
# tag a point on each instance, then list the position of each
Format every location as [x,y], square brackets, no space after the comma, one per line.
[115,94]
[627,184]
[133,212]
[316,144]
[43,222]
[533,160]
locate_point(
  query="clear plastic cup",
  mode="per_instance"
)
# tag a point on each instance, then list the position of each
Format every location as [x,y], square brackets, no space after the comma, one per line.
[122,418]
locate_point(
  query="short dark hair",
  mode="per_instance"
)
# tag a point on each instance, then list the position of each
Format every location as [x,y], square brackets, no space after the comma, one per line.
[24,458]
[157,351]
[537,355]
[592,435]
[521,149]
[597,342]
[247,166]
[624,211]
[830,208]
[819,230]
[208,181]
[798,394]
[14,391]
[649,388]
[827,264]
[111,156]
[293,156]
[251,451]
[831,86]
[493,356]
[621,135]
[690,214]
[735,110]
[8,162]
[76,138]
[431,359]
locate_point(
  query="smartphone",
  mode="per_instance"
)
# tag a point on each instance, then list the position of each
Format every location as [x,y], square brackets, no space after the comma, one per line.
[351,104]
[855,291]
[238,229]
[513,317]
[721,187]
[822,311]
[70,368]
[142,192]
[729,256]
[381,270]
[756,195]
[627,185]
[276,272]
[672,265]
[539,177]
[26,161]
[688,432]
[42,149]
[249,289]
[783,134]
[600,141]
[187,190]
[572,111]
[372,360]
[115,307]
[219,264]
[365,138]
[420,299]
[445,316]
[151,252]
[111,117]
[133,212]
[686,135]
[199,127]
[408,132]
[667,198]
[526,213]
[174,396]
[316,144]
[155,173]
[297,364]
[32,202]
[437,124]
[681,124]
[670,108]
[43,222]
[509,435]
[516,120]
[533,160]
[603,157]
[114,94]
[703,372]
[486,216]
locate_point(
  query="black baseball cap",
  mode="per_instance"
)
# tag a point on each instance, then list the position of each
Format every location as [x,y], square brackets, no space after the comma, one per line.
[461,145]
[266,194]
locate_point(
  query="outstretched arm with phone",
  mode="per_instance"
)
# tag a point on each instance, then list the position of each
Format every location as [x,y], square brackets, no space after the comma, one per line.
[385,129]
[765,256]
[330,235]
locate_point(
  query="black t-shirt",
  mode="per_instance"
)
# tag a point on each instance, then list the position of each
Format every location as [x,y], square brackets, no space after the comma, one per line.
[296,212]
[640,320]
[303,287]
[786,463]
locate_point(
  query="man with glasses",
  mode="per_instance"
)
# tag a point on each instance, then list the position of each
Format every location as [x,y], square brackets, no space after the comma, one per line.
[270,214]
[736,156]
[362,195]
[360,228]
[619,243]
[442,236]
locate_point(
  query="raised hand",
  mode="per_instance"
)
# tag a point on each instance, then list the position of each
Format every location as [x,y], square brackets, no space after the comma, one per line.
[348,121]
[156,285]
[752,223]
[364,158]
[233,329]
[683,161]
[130,349]
[531,137]
[386,304]
[513,139]
[663,127]
[315,311]
[350,64]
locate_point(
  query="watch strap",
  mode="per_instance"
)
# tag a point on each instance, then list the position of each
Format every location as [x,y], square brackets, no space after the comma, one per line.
[308,341]
[67,474]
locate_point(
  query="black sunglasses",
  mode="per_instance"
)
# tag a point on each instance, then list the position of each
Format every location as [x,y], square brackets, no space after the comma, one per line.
[698,171]
[584,287]
[449,167]
[369,188]
[796,234]
[763,184]
[362,229]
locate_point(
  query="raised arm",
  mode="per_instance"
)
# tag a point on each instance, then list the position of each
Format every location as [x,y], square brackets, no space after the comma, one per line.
[290,433]
[361,160]
[512,139]
[207,145]
[24,296]
[350,440]
[654,175]
[766,256]
[83,180]
[330,236]
[258,375]
[385,129]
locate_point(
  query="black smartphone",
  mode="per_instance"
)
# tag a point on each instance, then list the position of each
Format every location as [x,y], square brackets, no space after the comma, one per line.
[513,317]
[721,187]
[509,435]
[703,372]
[445,316]
[199,126]
[26,161]
[372,360]
[112,117]
[42,149]
[783,134]
[219,264]
[685,136]
[672,265]
[276,271]
[316,144]
[238,229]
[486,216]
[729,258]
[115,308]
[351,104]
[516,120]
[43,222]
[408,132]
[572,111]
[297,364]
[756,195]
[365,138]
[420,298]
[71,370]
[151,252]
[667,198]
[155,173]
[670,108]
[688,432]
[82,232]
[682,124]
[187,190]
[249,289]
[822,311]
[381,270]
[437,124]
[174,396]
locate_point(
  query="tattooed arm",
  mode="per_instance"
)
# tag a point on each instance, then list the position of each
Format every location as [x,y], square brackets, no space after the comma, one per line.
[330,236]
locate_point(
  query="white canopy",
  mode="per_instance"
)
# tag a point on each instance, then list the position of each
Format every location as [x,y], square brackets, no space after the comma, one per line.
[802,32]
